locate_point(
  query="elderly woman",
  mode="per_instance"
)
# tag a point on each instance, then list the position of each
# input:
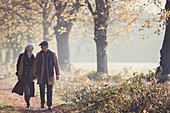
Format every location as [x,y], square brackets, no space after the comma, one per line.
[25,82]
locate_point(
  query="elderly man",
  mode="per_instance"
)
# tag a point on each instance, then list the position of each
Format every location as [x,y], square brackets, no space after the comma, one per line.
[44,65]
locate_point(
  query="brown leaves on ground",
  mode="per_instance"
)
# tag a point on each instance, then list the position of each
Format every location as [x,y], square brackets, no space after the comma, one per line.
[11,102]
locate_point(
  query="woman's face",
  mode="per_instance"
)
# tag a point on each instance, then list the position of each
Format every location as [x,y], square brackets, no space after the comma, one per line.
[31,49]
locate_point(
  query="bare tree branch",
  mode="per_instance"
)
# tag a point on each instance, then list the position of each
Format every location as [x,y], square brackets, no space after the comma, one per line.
[90,7]
[52,19]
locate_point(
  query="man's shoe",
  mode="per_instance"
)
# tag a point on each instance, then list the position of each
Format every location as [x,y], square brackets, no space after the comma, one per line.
[28,105]
[49,108]
[42,105]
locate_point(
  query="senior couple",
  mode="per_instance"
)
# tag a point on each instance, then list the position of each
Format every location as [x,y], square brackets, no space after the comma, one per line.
[42,67]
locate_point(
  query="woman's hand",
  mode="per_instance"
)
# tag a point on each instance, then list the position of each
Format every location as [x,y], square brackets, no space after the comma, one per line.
[57,77]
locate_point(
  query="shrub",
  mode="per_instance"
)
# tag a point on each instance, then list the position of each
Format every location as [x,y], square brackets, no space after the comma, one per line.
[96,76]
[141,93]
[158,75]
[128,97]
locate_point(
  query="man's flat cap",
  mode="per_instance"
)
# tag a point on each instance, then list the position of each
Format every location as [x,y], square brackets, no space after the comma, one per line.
[43,43]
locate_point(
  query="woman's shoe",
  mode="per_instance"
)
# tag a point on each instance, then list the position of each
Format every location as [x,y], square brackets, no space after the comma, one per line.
[42,105]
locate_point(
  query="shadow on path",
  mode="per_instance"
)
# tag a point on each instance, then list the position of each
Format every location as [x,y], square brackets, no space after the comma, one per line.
[63,108]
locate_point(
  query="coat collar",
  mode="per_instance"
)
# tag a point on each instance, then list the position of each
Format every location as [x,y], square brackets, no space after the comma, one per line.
[44,52]
[43,61]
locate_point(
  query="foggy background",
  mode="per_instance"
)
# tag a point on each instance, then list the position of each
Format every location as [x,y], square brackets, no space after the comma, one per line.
[132,55]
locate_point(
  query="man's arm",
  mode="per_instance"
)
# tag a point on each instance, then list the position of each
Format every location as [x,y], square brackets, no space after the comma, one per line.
[56,66]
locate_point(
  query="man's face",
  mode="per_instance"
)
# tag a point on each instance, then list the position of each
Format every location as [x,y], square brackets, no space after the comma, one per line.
[44,47]
[31,49]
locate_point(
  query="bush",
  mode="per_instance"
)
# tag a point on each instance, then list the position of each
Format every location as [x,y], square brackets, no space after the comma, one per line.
[142,93]
[163,78]
[128,97]
[160,78]
[159,75]
[96,76]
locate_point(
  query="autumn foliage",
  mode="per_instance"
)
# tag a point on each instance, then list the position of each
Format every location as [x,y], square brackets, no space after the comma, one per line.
[135,94]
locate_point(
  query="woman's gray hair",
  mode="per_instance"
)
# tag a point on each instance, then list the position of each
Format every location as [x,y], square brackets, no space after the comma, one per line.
[27,47]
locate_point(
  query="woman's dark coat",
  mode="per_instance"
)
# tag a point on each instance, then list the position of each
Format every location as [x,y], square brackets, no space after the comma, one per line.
[18,88]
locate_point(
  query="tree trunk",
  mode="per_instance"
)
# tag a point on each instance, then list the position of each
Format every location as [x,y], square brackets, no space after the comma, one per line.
[8,56]
[45,25]
[45,33]
[165,51]
[101,46]
[0,56]
[63,45]
[63,37]
[8,59]
[100,31]
[3,57]
[16,54]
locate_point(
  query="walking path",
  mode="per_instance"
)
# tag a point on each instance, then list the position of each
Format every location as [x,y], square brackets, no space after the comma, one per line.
[11,102]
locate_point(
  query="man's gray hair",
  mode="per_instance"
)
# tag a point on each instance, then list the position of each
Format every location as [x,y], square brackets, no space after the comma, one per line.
[27,47]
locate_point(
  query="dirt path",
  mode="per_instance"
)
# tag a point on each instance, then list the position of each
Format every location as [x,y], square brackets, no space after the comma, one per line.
[11,102]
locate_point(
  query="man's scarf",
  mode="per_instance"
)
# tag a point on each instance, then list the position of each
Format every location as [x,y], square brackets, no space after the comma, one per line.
[50,65]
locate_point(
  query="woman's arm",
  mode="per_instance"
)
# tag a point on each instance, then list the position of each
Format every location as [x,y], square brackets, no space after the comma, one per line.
[18,63]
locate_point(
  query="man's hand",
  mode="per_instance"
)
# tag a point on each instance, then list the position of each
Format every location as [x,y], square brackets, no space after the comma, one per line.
[57,77]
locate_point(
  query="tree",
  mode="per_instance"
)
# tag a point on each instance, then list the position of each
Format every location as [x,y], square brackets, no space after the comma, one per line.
[101,16]
[17,23]
[165,50]
[43,13]
[46,10]
[9,27]
[112,13]
[163,21]
[65,12]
